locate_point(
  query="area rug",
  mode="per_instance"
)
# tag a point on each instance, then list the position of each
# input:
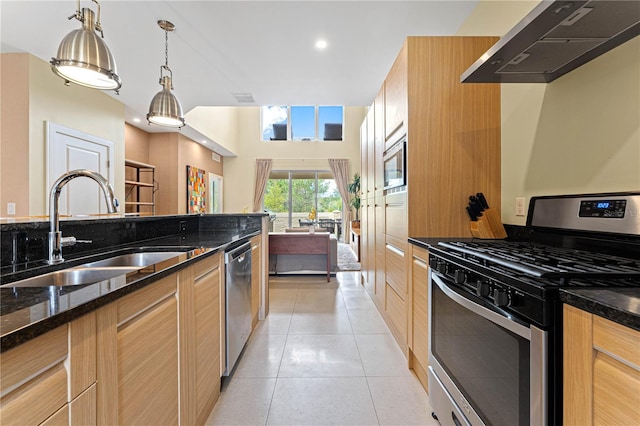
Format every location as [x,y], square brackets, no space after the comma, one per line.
[346,259]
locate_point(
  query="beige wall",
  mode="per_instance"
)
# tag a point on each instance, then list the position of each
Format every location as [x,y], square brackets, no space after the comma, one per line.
[219,124]
[49,100]
[14,133]
[577,134]
[239,174]
[171,153]
[136,143]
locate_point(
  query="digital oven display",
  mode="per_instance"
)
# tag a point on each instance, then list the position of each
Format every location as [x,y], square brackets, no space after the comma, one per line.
[603,208]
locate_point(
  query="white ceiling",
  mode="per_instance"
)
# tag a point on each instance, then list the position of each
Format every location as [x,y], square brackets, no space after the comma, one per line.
[265,48]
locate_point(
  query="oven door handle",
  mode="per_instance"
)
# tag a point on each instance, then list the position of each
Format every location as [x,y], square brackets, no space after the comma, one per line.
[520,330]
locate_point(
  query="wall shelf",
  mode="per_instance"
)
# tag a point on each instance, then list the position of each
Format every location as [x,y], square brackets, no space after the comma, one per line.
[140,187]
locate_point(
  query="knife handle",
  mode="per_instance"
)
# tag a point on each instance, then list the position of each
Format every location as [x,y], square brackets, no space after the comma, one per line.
[472,215]
[483,200]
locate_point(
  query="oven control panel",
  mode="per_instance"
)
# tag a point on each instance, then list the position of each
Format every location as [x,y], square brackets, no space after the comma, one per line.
[603,208]
[489,289]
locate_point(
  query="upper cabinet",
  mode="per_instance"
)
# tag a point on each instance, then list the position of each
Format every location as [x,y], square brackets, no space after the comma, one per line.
[554,38]
[395,95]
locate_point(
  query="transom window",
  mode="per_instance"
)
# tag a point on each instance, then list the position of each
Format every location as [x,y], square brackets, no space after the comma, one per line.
[302,123]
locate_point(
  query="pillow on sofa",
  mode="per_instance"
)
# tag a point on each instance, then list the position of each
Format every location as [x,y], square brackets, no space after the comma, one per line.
[305,229]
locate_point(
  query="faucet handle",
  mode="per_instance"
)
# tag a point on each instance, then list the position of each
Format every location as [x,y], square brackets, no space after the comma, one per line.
[70,241]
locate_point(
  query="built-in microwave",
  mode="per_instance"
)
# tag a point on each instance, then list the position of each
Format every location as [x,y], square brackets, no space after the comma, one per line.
[395,165]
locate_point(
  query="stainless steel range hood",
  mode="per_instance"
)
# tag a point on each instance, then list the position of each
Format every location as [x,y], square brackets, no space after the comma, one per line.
[555,38]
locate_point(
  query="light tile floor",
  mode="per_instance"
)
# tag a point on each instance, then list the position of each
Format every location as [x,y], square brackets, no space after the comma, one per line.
[323,356]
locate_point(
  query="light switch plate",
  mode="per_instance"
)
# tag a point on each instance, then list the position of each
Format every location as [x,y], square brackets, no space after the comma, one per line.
[11,208]
[520,206]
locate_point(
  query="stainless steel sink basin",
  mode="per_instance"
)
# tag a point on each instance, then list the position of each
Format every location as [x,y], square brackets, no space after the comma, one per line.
[138,260]
[72,276]
[100,270]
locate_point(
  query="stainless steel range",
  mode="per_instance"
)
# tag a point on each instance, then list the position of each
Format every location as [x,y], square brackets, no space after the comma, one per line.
[495,316]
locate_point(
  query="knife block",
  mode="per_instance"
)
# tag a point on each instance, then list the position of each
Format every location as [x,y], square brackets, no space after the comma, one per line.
[488,226]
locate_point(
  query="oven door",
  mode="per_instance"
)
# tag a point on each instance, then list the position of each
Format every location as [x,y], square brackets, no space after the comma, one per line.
[485,366]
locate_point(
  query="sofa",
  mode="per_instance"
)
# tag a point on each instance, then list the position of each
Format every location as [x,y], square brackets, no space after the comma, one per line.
[305,263]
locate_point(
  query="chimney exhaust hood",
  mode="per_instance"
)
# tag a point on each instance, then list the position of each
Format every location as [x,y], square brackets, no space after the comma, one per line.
[554,38]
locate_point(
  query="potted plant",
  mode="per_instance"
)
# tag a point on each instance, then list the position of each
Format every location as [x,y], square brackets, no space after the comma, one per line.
[354,188]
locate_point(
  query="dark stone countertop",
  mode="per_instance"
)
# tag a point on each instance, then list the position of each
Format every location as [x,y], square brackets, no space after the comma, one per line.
[425,243]
[621,305]
[27,312]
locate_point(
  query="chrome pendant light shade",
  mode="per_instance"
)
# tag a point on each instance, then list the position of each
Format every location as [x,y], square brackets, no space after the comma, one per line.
[84,58]
[165,109]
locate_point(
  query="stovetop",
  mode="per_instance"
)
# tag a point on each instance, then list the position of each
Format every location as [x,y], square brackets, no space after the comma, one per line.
[543,261]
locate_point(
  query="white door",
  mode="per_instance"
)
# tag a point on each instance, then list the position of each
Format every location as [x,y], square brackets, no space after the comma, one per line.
[215,193]
[69,149]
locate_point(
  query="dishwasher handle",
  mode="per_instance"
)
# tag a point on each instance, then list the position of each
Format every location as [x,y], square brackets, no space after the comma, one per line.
[237,253]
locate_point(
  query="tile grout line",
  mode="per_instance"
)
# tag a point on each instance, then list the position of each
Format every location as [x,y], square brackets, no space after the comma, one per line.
[275,386]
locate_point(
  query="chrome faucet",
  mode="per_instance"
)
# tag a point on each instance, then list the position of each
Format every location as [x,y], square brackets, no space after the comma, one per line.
[56,242]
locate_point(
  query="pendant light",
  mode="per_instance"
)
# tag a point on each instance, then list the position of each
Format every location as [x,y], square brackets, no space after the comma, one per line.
[83,57]
[165,109]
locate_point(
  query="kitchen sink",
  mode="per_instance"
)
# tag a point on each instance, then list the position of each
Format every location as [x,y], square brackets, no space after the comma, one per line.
[97,271]
[73,276]
[138,260]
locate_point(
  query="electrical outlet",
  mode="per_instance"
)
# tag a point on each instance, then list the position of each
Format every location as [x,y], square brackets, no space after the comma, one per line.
[520,206]
[11,208]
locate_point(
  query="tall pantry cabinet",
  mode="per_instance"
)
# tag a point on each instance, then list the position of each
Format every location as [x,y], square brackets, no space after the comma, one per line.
[452,151]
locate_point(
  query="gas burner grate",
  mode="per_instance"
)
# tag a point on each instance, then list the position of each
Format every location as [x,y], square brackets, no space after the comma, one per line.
[546,261]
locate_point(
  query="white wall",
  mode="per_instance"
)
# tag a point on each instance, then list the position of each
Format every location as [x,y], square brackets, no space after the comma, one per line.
[577,134]
[239,172]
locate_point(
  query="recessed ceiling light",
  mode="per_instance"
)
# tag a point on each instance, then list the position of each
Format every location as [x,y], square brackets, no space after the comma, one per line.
[204,141]
[136,120]
[321,44]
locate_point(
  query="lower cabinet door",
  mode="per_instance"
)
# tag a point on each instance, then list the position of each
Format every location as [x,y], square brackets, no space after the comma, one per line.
[148,367]
[207,342]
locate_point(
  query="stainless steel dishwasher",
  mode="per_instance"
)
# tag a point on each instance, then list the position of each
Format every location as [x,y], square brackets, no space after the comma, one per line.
[237,303]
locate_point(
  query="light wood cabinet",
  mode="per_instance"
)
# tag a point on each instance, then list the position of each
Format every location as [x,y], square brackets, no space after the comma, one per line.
[151,357]
[378,143]
[45,379]
[395,96]
[208,322]
[452,151]
[159,350]
[138,357]
[419,335]
[601,370]
[377,249]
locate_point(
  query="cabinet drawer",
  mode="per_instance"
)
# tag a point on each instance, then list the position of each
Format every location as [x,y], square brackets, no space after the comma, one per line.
[203,266]
[136,303]
[23,362]
[35,401]
[396,216]
[396,313]
[616,339]
[395,269]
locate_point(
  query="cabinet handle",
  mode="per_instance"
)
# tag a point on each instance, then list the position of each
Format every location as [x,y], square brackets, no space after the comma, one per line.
[395,250]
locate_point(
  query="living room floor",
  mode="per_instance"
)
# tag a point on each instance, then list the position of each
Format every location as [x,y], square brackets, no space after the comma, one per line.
[323,355]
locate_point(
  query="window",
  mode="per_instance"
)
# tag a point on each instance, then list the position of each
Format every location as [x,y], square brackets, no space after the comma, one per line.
[302,123]
[291,195]
[274,123]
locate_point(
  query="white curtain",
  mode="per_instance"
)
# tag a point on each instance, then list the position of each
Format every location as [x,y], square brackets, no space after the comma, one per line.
[263,168]
[340,170]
